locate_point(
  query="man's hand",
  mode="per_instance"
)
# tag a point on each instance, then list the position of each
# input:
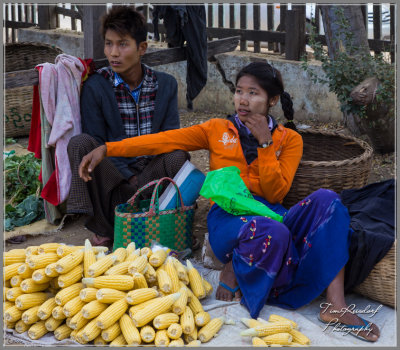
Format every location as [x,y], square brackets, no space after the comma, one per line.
[90,161]
[258,126]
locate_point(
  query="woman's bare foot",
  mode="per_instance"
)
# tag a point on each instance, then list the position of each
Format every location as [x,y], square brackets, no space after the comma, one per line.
[336,314]
[228,277]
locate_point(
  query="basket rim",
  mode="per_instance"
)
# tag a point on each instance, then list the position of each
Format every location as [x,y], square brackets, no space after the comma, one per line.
[367,154]
[33,43]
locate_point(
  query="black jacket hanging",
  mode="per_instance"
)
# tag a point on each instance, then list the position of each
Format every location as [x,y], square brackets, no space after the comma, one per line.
[187,24]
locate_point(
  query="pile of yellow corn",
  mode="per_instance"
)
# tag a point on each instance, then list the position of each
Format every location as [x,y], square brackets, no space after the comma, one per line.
[128,297]
[276,332]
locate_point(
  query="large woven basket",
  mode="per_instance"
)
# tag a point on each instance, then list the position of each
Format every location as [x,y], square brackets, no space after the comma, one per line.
[332,161]
[380,285]
[18,101]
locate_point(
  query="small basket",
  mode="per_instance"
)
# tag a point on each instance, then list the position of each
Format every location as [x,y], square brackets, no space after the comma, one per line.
[18,101]
[332,161]
[380,285]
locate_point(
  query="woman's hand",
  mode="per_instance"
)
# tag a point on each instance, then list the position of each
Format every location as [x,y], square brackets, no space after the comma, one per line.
[90,161]
[258,125]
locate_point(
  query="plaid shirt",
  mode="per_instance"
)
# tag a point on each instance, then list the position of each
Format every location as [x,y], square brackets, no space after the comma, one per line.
[134,113]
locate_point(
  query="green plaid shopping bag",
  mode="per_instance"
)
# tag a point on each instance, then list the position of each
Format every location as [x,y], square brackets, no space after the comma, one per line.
[143,222]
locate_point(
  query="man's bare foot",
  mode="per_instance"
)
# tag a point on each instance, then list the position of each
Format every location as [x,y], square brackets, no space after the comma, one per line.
[228,277]
[334,314]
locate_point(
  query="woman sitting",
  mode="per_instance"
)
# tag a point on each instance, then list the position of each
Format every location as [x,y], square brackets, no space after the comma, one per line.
[285,264]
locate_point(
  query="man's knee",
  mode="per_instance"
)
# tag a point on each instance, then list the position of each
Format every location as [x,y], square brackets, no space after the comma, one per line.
[178,156]
[83,142]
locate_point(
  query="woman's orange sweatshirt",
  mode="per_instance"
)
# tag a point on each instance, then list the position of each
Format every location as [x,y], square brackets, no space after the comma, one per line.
[269,176]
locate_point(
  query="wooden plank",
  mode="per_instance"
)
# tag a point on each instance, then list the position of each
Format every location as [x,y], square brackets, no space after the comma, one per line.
[247,34]
[270,24]
[93,41]
[159,57]
[392,31]
[256,23]
[301,9]
[220,15]
[15,24]
[231,16]
[47,16]
[68,12]
[364,11]
[317,19]
[243,25]
[282,15]
[7,26]
[33,13]
[292,44]
[13,31]
[210,14]
[377,13]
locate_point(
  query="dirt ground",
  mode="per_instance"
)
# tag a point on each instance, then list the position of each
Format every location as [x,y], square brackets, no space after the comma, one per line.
[74,232]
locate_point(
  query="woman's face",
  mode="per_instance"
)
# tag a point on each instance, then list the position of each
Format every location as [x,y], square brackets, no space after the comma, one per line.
[250,98]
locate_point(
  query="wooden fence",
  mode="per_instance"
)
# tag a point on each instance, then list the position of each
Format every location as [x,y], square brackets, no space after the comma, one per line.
[289,37]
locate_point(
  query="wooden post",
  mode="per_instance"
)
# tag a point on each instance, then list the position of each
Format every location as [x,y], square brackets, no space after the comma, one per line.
[256,23]
[231,16]
[317,19]
[47,17]
[295,34]
[377,23]
[282,25]
[392,31]
[270,24]
[243,25]
[301,29]
[210,17]
[93,41]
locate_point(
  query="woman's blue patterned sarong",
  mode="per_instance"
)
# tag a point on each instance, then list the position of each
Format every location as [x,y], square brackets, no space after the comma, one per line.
[285,264]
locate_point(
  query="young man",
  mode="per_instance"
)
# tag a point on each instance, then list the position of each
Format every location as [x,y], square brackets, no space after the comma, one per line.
[125,99]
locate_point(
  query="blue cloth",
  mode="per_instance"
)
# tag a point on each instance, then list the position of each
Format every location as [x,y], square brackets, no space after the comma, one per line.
[135,92]
[285,264]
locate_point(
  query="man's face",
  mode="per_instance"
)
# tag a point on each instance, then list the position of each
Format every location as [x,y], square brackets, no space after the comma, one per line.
[122,52]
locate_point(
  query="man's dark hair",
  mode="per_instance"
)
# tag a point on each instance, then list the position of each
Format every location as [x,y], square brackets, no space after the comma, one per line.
[125,20]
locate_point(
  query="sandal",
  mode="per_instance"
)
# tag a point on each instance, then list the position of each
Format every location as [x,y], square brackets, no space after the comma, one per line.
[16,239]
[232,290]
[102,241]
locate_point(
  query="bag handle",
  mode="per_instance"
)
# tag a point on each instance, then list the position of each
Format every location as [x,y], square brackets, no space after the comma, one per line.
[154,205]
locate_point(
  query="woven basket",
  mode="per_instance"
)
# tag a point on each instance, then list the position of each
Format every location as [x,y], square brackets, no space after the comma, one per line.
[18,101]
[332,161]
[380,285]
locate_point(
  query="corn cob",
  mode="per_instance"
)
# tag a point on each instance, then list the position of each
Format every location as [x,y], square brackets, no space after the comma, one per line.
[6,305]
[176,342]
[120,253]
[88,294]
[32,250]
[73,334]
[71,277]
[93,309]
[194,343]
[50,270]
[138,296]
[110,333]
[138,265]
[191,336]
[58,313]
[130,248]
[48,248]
[64,250]
[101,266]
[37,330]
[78,321]
[41,260]
[202,318]
[150,274]
[30,315]
[45,310]
[181,270]
[139,281]
[52,324]
[7,283]
[158,257]
[9,325]
[30,286]
[163,321]
[13,314]
[39,276]
[174,331]
[282,338]
[267,329]
[161,338]
[89,258]
[164,281]
[54,284]
[179,306]
[14,256]
[135,308]
[119,341]
[187,320]
[91,331]
[68,262]
[25,271]
[133,255]
[66,294]
[79,337]
[278,318]
[14,293]
[146,251]
[15,281]
[210,329]
[62,332]
[129,330]
[11,270]
[21,326]
[73,306]
[161,305]
[26,301]
[258,342]
[108,295]
[112,314]
[194,303]
[119,269]
[251,322]
[299,337]
[147,334]
[173,274]
[207,286]
[119,282]
[99,341]
[195,281]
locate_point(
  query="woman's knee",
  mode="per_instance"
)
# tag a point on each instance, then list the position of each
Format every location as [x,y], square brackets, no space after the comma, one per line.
[324,194]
